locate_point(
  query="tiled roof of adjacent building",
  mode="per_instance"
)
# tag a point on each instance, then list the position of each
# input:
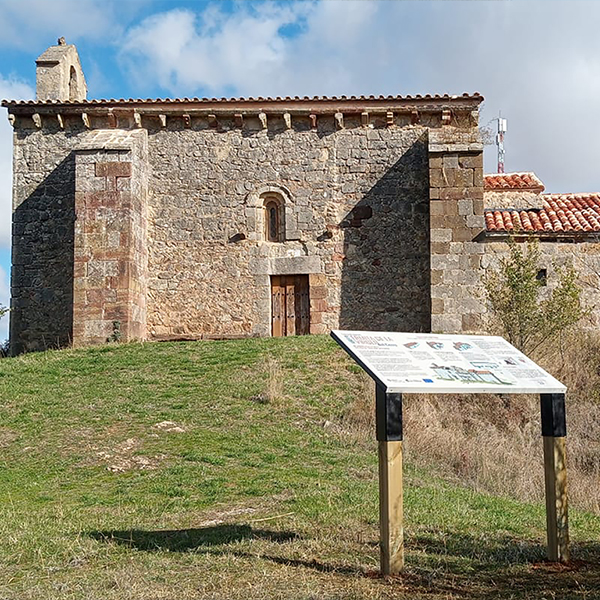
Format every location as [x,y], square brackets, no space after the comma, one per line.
[561,213]
[513,181]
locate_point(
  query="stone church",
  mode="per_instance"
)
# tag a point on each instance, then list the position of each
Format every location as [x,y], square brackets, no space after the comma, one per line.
[214,218]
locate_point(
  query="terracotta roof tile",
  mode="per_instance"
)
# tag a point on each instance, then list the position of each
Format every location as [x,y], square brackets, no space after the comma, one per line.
[512,181]
[561,213]
[298,99]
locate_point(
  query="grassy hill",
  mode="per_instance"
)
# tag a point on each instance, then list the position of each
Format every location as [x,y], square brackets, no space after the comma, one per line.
[239,469]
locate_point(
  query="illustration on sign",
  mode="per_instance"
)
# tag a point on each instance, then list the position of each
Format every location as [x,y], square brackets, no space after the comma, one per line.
[430,362]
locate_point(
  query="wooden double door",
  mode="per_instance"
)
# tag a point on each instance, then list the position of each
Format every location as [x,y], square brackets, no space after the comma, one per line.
[290,305]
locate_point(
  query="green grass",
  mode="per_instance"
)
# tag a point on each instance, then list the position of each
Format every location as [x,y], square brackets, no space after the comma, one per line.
[251,496]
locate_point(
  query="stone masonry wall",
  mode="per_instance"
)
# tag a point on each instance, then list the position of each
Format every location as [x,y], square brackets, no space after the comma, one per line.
[41,313]
[162,222]
[517,199]
[456,181]
[110,237]
[46,298]
[356,221]
[584,257]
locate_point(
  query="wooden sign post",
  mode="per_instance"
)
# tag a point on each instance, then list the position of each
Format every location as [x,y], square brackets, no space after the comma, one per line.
[391,514]
[429,363]
[554,433]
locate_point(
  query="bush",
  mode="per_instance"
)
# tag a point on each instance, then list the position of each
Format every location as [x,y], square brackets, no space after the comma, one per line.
[514,293]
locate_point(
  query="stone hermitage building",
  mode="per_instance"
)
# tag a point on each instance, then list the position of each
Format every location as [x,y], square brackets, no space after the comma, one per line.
[191,218]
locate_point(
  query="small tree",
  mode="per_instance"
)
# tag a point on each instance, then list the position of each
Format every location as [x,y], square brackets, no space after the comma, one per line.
[3,310]
[514,293]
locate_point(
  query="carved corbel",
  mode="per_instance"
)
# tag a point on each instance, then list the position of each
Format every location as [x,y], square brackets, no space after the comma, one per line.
[389,118]
[112,119]
[364,118]
[313,121]
[262,117]
[11,120]
[415,117]
[287,119]
[187,121]
[339,120]
[239,120]
[86,120]
[61,121]
[37,120]
[212,121]
[137,119]
[446,117]
[163,120]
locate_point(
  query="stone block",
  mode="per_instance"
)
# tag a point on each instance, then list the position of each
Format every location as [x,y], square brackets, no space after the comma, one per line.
[436,208]
[475,193]
[446,323]
[462,234]
[440,247]
[113,169]
[453,193]
[471,161]
[472,323]
[440,235]
[437,178]
[436,277]
[450,161]
[465,206]
[437,306]
[476,221]
[318,292]
[318,328]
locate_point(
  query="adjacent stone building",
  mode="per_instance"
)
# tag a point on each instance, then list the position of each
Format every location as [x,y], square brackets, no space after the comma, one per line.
[191,218]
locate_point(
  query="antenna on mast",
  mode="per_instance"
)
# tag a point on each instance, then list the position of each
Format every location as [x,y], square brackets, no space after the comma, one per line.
[500,142]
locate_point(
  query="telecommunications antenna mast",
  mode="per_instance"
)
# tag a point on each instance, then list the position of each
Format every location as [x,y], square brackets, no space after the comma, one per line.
[500,142]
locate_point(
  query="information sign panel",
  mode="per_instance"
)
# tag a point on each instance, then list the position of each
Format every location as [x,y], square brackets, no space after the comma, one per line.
[441,363]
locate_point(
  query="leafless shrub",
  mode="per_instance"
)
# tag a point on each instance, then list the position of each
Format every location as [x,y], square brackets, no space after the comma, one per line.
[273,392]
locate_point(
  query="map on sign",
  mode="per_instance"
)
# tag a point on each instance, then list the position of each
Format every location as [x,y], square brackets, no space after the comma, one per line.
[423,362]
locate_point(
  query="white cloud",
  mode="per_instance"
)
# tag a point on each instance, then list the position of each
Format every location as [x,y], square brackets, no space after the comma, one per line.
[15,90]
[185,51]
[23,23]
[4,301]
[536,61]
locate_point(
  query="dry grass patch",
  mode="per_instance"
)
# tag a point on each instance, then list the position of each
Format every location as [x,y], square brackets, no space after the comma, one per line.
[493,443]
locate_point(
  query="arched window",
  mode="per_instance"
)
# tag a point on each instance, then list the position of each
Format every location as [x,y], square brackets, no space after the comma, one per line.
[274,218]
[72,84]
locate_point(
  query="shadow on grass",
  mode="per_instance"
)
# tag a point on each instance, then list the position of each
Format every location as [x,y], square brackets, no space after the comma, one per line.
[503,567]
[461,565]
[184,540]
[488,553]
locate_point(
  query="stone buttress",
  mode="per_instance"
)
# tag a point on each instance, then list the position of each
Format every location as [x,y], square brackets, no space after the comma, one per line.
[110,250]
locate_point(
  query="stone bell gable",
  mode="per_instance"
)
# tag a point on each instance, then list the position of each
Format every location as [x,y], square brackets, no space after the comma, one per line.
[59,75]
[190,218]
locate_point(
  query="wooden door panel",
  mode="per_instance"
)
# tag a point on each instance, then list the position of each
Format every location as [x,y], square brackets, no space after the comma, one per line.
[277,308]
[302,306]
[290,305]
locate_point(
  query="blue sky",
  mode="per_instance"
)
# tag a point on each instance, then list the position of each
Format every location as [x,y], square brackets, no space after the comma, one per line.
[537,61]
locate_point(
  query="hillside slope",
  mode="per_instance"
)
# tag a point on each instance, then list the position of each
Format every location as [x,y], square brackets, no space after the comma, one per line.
[240,469]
